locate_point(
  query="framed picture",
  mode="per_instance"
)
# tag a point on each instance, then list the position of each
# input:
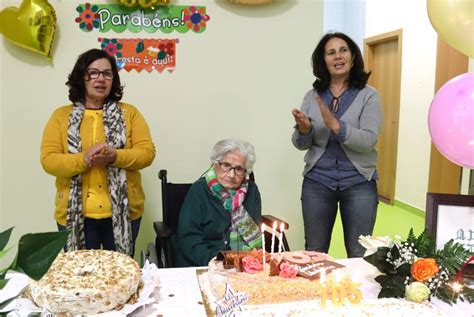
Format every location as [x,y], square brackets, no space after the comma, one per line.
[450,216]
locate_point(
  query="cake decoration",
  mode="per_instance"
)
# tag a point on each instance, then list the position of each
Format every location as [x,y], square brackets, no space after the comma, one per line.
[313,270]
[230,302]
[326,289]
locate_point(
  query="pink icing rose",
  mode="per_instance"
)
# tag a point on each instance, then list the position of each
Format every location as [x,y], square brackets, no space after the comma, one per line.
[287,271]
[251,265]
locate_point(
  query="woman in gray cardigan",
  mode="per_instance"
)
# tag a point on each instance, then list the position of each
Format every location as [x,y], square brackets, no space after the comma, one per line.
[338,126]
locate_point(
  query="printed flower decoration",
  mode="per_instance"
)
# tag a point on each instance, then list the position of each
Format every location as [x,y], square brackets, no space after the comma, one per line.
[112,46]
[195,19]
[165,49]
[88,18]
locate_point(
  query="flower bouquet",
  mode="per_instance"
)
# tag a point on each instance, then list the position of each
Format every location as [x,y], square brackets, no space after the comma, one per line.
[415,270]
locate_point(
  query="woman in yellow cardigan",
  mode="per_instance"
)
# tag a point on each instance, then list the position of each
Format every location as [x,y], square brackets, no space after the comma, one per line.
[95,148]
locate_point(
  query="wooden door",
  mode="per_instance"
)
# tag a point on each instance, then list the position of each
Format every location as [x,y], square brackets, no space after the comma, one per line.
[445,176]
[383,56]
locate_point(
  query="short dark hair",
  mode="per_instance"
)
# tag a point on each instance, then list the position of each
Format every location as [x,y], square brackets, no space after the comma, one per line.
[77,90]
[357,76]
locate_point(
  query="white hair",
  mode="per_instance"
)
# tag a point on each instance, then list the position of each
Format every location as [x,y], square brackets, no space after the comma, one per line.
[231,146]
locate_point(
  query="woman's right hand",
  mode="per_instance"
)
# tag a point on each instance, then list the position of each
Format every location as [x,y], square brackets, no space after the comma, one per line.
[302,120]
[99,155]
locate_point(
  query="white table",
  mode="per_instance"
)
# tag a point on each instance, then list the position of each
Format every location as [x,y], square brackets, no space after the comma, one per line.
[179,293]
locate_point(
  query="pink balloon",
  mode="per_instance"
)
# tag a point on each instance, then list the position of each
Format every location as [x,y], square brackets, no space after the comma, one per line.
[451,120]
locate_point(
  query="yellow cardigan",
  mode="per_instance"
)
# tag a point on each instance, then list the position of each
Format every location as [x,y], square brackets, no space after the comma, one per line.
[138,153]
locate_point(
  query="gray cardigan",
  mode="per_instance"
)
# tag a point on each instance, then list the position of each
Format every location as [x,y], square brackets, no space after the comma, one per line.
[363,120]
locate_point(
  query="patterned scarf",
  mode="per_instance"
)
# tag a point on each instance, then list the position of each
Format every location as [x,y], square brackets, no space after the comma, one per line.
[245,234]
[116,178]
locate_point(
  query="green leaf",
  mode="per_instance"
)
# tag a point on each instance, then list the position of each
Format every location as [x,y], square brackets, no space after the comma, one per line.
[4,237]
[3,282]
[383,280]
[3,252]
[4,304]
[411,236]
[468,294]
[425,245]
[404,269]
[395,252]
[452,256]
[389,293]
[140,47]
[379,260]
[446,294]
[37,251]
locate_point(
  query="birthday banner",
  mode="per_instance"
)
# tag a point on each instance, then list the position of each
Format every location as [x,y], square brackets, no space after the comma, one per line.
[139,54]
[166,19]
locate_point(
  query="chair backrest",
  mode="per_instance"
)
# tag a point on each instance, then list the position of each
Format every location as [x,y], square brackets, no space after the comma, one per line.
[173,196]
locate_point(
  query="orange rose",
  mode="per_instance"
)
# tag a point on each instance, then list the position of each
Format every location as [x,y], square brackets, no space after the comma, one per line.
[424,269]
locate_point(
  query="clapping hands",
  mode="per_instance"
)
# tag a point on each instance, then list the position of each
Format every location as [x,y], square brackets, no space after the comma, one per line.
[304,123]
[302,120]
[329,120]
[100,154]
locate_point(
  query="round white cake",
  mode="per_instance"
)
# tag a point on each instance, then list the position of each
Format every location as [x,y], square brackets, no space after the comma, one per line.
[87,282]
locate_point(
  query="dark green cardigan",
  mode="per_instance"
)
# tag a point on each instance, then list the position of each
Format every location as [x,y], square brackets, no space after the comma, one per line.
[204,224]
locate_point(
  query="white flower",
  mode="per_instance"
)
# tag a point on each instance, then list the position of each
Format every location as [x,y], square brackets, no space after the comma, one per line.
[417,292]
[371,243]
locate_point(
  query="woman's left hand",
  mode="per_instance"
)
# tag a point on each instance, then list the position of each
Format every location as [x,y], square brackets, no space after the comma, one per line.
[106,156]
[329,120]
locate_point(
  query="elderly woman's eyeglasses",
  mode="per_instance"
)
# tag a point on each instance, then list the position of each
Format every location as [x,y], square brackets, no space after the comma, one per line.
[95,73]
[227,167]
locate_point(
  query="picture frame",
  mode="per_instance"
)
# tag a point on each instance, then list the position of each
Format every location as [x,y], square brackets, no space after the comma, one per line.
[450,216]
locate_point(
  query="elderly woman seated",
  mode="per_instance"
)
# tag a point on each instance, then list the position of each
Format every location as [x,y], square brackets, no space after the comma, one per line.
[222,209]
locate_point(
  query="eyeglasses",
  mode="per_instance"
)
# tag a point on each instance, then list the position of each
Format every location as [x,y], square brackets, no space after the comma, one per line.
[227,167]
[95,73]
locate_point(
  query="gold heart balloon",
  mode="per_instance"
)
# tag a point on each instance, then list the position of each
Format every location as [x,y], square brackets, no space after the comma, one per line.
[30,26]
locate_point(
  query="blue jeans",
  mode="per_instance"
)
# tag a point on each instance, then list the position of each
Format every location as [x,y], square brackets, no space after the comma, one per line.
[358,206]
[99,233]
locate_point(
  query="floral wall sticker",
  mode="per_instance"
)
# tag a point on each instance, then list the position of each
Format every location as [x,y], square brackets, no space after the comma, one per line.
[166,19]
[139,54]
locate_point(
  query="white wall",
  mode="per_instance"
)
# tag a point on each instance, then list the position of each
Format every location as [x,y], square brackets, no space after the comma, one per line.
[417,90]
[240,78]
[347,17]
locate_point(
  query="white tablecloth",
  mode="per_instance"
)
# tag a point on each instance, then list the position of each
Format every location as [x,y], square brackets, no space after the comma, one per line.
[179,293]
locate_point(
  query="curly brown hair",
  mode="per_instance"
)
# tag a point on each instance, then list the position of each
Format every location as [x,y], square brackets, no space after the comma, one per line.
[77,90]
